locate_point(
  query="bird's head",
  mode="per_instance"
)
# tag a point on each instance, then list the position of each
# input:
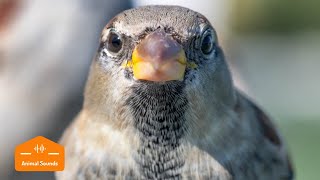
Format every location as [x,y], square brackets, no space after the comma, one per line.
[159,45]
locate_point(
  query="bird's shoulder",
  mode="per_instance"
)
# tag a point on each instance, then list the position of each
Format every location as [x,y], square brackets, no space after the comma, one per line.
[267,130]
[94,148]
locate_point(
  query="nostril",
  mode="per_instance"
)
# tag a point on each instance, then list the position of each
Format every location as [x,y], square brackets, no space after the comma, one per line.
[158,57]
[159,46]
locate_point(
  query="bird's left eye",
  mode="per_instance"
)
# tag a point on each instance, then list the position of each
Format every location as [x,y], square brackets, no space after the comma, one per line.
[207,42]
[114,42]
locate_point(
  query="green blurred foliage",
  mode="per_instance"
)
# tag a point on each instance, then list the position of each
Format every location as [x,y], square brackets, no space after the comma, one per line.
[303,139]
[276,16]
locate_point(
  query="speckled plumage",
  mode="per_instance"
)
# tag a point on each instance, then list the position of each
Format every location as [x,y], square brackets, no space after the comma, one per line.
[198,128]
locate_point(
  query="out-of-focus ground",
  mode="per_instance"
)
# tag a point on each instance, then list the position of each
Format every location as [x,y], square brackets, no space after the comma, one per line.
[273,48]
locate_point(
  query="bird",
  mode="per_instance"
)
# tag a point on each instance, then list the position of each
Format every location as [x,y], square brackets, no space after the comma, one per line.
[160,103]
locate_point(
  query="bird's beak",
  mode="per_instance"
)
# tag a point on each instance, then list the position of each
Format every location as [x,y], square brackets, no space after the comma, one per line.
[158,58]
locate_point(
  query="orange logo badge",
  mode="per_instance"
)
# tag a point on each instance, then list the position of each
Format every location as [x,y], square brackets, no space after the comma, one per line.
[39,154]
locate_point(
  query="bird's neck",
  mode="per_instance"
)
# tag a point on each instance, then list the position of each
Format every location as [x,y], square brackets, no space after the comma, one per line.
[158,112]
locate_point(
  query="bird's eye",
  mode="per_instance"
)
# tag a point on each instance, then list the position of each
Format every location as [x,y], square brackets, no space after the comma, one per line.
[114,42]
[207,43]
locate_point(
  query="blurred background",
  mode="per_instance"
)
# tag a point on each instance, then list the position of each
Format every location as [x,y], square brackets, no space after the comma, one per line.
[273,48]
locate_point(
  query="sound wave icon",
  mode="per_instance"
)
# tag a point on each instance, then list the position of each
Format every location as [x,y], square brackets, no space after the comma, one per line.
[40,148]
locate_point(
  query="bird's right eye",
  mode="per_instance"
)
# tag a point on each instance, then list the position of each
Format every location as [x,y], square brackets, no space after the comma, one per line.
[114,42]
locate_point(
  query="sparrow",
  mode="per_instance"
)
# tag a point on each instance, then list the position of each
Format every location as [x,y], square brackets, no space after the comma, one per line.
[160,103]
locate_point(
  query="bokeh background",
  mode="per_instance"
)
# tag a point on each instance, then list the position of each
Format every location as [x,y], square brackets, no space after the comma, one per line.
[273,48]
